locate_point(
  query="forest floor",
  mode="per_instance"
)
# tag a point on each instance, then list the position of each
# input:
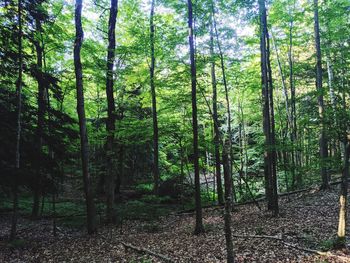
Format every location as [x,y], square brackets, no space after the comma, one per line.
[308,220]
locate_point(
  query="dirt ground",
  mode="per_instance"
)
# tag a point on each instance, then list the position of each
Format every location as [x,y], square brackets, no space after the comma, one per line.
[307,220]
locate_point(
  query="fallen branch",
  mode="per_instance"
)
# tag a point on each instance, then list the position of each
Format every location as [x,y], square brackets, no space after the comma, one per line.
[313,251]
[144,250]
[256,236]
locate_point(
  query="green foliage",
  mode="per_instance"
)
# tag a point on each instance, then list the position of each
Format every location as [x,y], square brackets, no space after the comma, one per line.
[144,187]
[327,244]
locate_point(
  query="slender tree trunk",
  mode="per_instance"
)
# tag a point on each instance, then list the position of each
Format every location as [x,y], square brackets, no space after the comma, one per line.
[229,129]
[41,119]
[182,172]
[228,204]
[343,200]
[240,143]
[110,122]
[322,139]
[54,227]
[199,220]
[121,150]
[293,122]
[284,134]
[90,205]
[215,119]
[268,121]
[154,105]
[51,153]
[283,81]
[265,99]
[18,129]
[273,160]
[118,179]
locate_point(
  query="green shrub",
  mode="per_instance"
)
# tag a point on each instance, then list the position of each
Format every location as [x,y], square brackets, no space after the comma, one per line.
[144,188]
[327,244]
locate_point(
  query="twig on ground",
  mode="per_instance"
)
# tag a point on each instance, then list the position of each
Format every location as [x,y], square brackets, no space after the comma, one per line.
[144,250]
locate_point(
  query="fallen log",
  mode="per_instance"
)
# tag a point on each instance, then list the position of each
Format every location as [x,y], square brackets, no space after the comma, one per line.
[147,251]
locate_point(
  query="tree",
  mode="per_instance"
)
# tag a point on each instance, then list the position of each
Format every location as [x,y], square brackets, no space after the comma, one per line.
[228,203]
[268,114]
[343,199]
[84,143]
[41,109]
[154,105]
[228,107]
[321,107]
[110,122]
[18,129]
[215,113]
[199,221]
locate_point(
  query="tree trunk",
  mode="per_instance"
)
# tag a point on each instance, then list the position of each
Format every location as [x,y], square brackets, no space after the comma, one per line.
[215,118]
[284,134]
[41,119]
[226,94]
[110,122]
[273,160]
[293,122]
[154,105]
[341,240]
[268,120]
[90,205]
[18,129]
[199,220]
[343,200]
[228,204]
[322,139]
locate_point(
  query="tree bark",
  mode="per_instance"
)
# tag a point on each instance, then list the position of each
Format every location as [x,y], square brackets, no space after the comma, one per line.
[341,239]
[343,200]
[90,205]
[268,118]
[322,139]
[273,160]
[293,133]
[284,134]
[199,220]
[215,117]
[228,109]
[154,105]
[228,204]
[41,119]
[19,84]
[110,122]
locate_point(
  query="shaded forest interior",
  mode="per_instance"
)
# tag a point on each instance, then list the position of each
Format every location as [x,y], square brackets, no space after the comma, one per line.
[174,131]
